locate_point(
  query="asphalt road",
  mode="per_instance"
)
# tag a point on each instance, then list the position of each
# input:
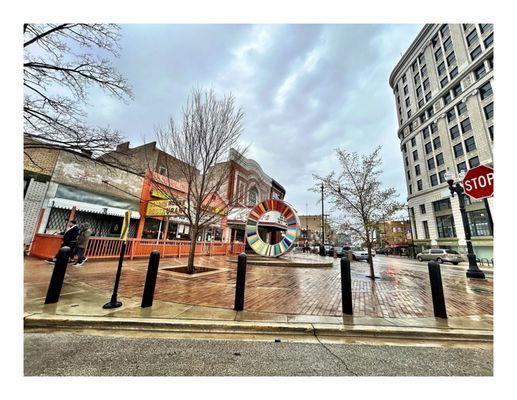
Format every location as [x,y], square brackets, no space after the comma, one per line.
[51,354]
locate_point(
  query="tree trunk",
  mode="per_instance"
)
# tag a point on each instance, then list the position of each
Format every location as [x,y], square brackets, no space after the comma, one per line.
[192,251]
[370,258]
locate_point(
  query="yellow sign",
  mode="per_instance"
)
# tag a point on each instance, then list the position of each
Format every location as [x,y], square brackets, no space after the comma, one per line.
[125,225]
[159,193]
[161,208]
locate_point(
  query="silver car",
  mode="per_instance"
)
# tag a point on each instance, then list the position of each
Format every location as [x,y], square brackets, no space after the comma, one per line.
[440,255]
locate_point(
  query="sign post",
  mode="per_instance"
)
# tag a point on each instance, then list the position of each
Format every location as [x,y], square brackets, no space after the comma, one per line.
[123,236]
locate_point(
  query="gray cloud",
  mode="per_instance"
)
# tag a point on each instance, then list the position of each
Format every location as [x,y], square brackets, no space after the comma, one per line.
[306,89]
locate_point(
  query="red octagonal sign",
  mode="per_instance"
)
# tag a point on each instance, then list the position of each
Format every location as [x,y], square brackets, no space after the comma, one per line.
[479,182]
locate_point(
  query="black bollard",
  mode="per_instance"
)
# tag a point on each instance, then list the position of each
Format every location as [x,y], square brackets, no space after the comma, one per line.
[150,279]
[346,286]
[58,275]
[114,303]
[435,277]
[241,282]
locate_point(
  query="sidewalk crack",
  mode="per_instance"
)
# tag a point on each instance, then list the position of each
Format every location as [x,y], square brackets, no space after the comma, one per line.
[332,353]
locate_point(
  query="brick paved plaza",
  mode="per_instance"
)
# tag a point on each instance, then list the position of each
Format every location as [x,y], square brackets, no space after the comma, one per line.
[402,292]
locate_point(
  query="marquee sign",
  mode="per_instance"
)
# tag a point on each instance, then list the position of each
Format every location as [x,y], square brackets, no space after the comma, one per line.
[287,215]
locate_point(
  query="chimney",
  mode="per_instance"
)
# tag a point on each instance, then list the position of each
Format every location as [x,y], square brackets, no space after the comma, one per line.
[122,147]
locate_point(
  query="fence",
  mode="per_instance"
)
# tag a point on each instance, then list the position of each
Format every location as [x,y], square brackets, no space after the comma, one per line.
[47,246]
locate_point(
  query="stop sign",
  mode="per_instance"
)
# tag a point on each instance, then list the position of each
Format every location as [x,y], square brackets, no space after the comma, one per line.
[479,182]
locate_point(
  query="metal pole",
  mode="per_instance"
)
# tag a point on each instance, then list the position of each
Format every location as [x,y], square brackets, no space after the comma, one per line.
[150,279]
[412,254]
[322,218]
[346,287]
[58,275]
[241,282]
[435,278]
[489,215]
[473,271]
[113,302]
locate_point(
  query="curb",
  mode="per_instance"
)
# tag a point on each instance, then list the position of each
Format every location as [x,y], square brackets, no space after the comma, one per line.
[56,322]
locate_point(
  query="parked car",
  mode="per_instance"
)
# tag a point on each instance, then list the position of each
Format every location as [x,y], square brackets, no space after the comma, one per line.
[340,252]
[440,255]
[358,254]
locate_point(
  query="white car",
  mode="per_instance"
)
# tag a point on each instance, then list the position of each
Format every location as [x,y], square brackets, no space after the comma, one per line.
[359,254]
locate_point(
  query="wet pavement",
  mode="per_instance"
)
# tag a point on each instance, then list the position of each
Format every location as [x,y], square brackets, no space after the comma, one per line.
[273,293]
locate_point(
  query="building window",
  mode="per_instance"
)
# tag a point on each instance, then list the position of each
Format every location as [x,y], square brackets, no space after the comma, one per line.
[455,132]
[425,132]
[404,78]
[413,141]
[451,59]
[408,175]
[447,44]
[466,125]
[162,170]
[485,90]
[489,40]
[441,175]
[491,132]
[436,143]
[462,166]
[472,38]
[456,90]
[445,226]
[441,68]
[434,180]
[439,159]
[470,144]
[489,111]
[430,164]
[441,205]
[422,208]
[475,53]
[415,155]
[253,196]
[407,161]
[454,73]
[447,98]
[444,30]
[480,72]
[444,82]
[405,90]
[428,148]
[417,170]
[438,54]
[408,102]
[410,189]
[458,150]
[409,114]
[429,112]
[414,66]
[426,229]
[425,83]
[478,223]
[419,184]
[451,115]
[419,91]
[474,162]
[434,127]
[423,70]
[485,27]
[428,96]
[461,107]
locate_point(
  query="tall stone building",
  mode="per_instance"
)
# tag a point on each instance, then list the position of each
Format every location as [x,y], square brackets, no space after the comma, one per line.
[444,99]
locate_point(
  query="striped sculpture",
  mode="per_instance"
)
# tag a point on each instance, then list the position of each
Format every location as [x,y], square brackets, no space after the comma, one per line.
[293,228]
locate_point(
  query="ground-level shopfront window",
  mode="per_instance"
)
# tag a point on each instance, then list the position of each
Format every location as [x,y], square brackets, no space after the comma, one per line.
[478,222]
[445,226]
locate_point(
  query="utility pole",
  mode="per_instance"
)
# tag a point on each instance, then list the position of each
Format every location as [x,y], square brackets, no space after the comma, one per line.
[322,217]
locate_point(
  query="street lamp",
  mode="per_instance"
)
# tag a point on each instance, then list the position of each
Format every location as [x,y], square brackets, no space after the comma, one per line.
[455,187]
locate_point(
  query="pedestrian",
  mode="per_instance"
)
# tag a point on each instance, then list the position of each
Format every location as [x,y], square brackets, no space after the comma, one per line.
[82,242]
[69,240]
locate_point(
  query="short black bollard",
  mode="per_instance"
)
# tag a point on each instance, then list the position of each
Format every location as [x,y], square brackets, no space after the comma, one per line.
[150,279]
[437,289]
[241,282]
[58,275]
[346,287]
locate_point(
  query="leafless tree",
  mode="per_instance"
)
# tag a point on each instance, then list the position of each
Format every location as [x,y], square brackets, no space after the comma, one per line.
[199,148]
[61,61]
[357,193]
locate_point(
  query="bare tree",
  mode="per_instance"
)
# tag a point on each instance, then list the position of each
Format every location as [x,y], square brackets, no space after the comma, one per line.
[60,62]
[357,193]
[210,129]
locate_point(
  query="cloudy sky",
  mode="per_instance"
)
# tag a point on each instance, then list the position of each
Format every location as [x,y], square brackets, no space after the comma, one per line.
[305,90]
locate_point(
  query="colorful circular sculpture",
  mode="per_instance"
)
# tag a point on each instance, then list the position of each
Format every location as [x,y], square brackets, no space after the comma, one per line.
[291,234]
